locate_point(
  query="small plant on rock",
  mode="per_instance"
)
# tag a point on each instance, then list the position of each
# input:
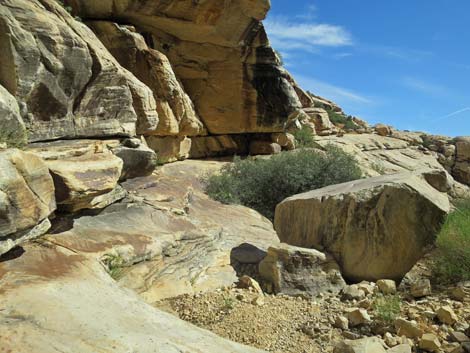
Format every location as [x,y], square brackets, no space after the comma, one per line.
[452,261]
[387,307]
[229,303]
[115,265]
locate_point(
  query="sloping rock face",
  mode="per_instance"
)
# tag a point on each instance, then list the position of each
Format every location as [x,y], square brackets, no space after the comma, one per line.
[165,239]
[170,237]
[26,198]
[66,82]
[207,43]
[56,300]
[375,228]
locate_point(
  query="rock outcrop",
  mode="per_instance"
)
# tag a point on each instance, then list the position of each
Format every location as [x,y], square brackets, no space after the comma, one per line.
[12,128]
[297,271]
[66,83]
[206,43]
[375,228]
[175,109]
[26,198]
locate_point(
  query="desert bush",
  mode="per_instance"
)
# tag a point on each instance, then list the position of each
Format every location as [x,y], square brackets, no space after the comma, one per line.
[262,183]
[452,261]
[341,119]
[115,265]
[304,137]
[387,307]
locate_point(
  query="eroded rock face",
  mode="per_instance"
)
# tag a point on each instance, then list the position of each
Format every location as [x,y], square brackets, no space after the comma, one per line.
[26,198]
[66,82]
[375,228]
[175,109]
[206,43]
[12,128]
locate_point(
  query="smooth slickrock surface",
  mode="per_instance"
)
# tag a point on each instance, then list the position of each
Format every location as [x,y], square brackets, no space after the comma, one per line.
[55,299]
[375,228]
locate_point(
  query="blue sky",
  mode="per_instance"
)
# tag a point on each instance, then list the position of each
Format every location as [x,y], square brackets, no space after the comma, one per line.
[402,62]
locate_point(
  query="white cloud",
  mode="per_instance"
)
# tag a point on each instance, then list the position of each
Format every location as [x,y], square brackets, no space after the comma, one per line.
[338,94]
[424,86]
[287,35]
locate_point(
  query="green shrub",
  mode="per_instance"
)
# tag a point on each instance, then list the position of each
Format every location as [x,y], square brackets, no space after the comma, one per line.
[115,265]
[452,262]
[304,137]
[263,183]
[341,119]
[387,307]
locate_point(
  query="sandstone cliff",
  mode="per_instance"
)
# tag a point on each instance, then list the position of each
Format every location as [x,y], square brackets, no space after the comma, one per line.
[91,235]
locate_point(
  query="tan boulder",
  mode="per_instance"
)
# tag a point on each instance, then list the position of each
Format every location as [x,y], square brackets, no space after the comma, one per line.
[297,271]
[206,43]
[421,288]
[407,328]
[446,315]
[85,172]
[170,148]
[320,119]
[175,110]
[358,316]
[283,139]
[367,224]
[387,286]
[26,198]
[364,345]
[430,343]
[70,85]
[461,168]
[383,130]
[12,128]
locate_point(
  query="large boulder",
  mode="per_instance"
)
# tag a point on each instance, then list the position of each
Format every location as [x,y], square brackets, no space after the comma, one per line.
[461,169]
[85,172]
[67,83]
[375,228]
[207,42]
[26,198]
[298,271]
[12,128]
